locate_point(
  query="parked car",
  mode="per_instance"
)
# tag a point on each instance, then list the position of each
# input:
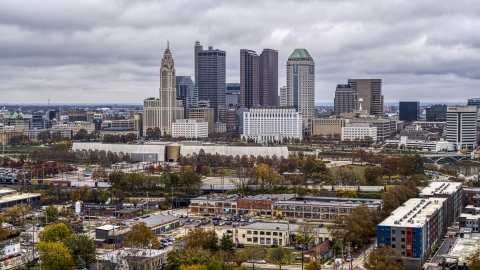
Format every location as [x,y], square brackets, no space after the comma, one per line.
[261,262]
[240,245]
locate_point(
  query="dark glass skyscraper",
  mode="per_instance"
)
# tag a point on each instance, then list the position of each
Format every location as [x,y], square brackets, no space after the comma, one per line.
[210,76]
[233,94]
[186,92]
[249,79]
[436,113]
[409,111]
[345,99]
[370,90]
[269,77]
[258,78]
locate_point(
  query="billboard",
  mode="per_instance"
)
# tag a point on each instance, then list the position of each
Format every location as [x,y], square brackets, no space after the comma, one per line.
[147,157]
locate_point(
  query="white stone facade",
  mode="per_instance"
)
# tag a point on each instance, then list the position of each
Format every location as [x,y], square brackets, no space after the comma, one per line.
[190,128]
[360,131]
[164,111]
[300,90]
[265,124]
[461,126]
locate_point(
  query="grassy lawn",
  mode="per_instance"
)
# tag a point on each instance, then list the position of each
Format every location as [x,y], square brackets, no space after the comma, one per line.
[18,149]
[359,168]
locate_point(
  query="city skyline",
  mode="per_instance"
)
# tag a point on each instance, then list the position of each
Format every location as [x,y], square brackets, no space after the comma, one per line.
[426,50]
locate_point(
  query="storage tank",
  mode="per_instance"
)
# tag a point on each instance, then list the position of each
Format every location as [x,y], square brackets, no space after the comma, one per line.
[78,207]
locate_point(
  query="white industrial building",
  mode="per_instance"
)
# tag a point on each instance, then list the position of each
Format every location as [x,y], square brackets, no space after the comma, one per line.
[461,126]
[359,130]
[434,146]
[150,152]
[190,128]
[265,124]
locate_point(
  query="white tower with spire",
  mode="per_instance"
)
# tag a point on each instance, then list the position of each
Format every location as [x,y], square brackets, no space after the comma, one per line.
[162,112]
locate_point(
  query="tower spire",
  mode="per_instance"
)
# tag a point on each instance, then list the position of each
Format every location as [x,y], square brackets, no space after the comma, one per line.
[168,45]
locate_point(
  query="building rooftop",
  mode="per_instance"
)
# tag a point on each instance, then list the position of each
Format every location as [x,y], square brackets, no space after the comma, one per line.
[107,227]
[8,195]
[331,203]
[469,216]
[275,197]
[280,226]
[300,53]
[116,255]
[414,212]
[464,247]
[440,188]
[152,220]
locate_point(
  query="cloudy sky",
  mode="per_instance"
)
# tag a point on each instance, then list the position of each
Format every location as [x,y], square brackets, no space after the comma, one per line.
[110,51]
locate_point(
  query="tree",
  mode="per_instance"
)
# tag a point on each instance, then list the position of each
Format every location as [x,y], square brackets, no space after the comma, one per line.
[279,256]
[305,235]
[313,265]
[385,257]
[55,255]
[355,227]
[140,237]
[51,213]
[187,257]
[474,260]
[389,165]
[16,213]
[372,175]
[99,175]
[56,233]
[226,243]
[212,242]
[82,246]
[4,233]
[346,175]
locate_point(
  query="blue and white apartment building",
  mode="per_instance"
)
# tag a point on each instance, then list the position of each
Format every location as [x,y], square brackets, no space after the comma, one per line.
[413,228]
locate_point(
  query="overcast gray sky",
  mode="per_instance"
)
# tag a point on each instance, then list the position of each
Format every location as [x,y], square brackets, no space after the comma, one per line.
[110,51]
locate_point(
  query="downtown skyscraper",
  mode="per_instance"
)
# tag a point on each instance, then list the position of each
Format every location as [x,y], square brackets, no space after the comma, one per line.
[301,83]
[370,91]
[162,112]
[210,75]
[258,78]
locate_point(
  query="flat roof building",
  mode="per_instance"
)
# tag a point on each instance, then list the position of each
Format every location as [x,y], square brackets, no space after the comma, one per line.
[413,228]
[9,198]
[450,190]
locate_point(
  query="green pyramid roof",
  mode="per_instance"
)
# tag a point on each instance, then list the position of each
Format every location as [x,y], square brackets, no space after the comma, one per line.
[299,53]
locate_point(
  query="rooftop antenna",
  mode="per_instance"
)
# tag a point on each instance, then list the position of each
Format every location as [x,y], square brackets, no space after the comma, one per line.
[168,45]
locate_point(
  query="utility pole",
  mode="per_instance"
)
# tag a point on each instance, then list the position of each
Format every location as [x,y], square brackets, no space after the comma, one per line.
[172,201]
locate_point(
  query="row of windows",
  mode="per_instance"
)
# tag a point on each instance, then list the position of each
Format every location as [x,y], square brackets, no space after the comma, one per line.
[264,233]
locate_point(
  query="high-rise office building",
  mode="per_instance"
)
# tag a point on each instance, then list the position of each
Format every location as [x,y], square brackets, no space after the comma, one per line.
[161,113]
[249,78]
[187,93]
[345,99]
[283,96]
[301,82]
[370,90]
[210,76]
[436,113]
[461,126]
[409,111]
[269,77]
[474,102]
[258,78]
[232,95]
